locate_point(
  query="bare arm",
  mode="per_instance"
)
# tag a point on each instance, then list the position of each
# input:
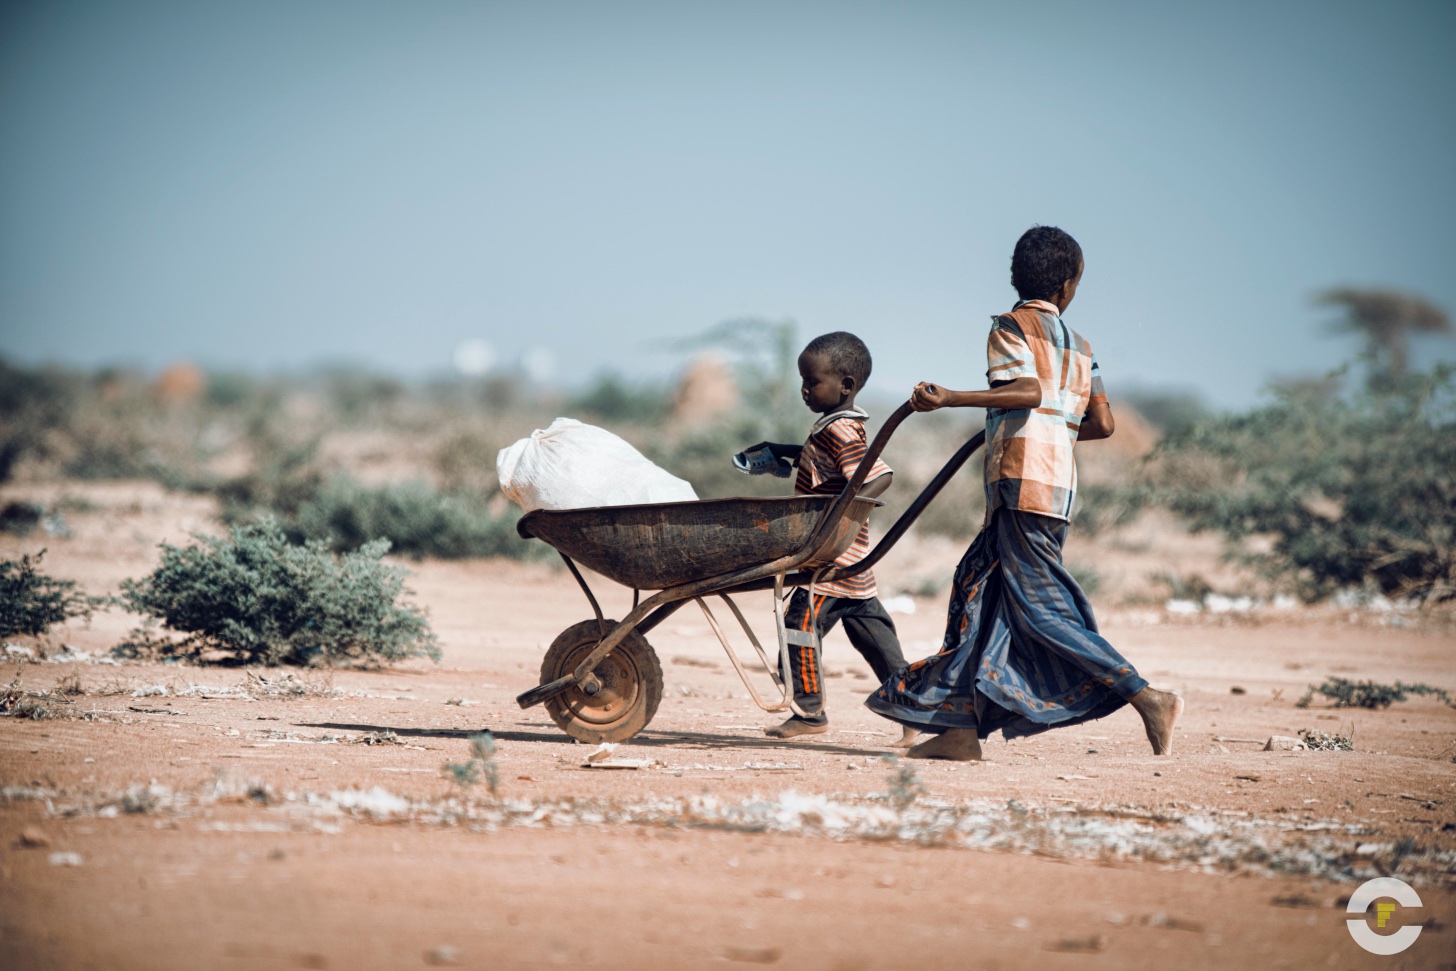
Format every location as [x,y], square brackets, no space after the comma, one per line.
[1097,423]
[1024,392]
[873,488]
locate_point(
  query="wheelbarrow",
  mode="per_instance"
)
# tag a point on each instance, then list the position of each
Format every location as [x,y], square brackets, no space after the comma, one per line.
[601,680]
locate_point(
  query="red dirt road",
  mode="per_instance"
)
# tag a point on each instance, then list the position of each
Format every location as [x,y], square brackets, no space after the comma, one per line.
[214,830]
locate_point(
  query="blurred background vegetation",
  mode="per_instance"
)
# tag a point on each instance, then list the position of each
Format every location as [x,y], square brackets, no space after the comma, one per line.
[1341,481]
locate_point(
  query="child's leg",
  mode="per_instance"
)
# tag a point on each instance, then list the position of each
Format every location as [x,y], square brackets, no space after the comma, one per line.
[872,632]
[805,672]
[868,625]
[955,745]
[1160,711]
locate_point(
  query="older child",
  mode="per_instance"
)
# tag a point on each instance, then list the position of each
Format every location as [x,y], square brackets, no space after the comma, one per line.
[1022,653]
[834,368]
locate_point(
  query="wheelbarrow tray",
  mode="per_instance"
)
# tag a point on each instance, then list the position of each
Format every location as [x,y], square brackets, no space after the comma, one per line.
[664,544]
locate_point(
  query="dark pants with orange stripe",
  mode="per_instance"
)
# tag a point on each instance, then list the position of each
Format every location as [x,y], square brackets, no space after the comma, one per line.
[868,627]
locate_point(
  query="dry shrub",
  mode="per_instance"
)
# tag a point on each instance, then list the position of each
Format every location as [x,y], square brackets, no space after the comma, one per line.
[256,598]
[1352,492]
[31,602]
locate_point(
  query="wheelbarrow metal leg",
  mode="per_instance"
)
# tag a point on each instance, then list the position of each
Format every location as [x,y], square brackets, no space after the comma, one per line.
[639,613]
[774,671]
[596,607]
[783,702]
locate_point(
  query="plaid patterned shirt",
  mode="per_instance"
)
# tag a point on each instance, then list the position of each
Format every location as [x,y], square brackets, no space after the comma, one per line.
[833,451]
[1029,463]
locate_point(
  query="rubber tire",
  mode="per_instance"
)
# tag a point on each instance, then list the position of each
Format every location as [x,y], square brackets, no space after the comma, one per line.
[631,685]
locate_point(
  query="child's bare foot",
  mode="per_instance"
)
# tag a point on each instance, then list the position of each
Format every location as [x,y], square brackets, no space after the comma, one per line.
[907,738]
[796,726]
[955,744]
[1160,711]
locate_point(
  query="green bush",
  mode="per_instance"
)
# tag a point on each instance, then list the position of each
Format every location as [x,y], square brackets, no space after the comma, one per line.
[1102,506]
[1087,577]
[416,519]
[108,424]
[956,513]
[289,483]
[704,457]
[1344,693]
[34,403]
[30,601]
[465,461]
[1353,492]
[256,598]
[1169,411]
[285,471]
[920,447]
[357,397]
[20,517]
[610,399]
[480,767]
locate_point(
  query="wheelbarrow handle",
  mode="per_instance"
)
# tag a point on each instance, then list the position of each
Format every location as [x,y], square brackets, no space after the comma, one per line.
[823,533]
[547,691]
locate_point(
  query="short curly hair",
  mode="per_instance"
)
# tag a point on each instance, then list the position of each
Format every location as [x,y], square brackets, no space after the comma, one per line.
[1044,259]
[846,354]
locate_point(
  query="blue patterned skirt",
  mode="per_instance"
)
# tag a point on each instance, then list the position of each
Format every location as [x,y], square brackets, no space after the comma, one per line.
[1021,651]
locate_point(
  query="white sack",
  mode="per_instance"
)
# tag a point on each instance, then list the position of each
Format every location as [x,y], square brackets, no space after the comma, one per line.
[571,466]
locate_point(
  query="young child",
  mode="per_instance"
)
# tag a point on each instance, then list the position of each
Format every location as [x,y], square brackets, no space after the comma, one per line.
[1022,653]
[834,368]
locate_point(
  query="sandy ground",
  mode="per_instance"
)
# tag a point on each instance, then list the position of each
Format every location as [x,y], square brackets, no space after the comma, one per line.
[180,817]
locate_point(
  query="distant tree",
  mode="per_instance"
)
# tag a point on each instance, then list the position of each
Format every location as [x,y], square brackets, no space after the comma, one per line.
[1343,492]
[34,403]
[613,398]
[1385,319]
[767,353]
[1169,411]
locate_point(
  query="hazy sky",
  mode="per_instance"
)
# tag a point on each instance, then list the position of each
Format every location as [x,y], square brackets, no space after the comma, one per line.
[276,184]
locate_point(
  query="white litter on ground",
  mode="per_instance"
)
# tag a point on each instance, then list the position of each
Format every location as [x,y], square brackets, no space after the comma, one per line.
[20,793]
[377,802]
[621,764]
[73,655]
[1219,604]
[901,604]
[1194,838]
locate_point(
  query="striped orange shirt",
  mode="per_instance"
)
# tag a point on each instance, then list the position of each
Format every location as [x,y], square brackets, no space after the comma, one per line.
[833,451]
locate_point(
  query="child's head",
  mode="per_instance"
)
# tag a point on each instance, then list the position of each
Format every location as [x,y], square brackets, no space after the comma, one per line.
[1044,261]
[834,368]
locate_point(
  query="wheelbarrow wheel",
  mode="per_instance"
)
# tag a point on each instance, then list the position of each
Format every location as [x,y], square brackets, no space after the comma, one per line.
[629,685]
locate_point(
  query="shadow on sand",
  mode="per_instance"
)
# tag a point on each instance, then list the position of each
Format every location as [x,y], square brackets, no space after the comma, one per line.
[647,739]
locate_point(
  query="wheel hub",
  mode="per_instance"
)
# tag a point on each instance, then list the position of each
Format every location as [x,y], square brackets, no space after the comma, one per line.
[610,690]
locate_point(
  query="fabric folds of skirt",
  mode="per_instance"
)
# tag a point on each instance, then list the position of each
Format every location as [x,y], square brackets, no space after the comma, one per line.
[1021,652]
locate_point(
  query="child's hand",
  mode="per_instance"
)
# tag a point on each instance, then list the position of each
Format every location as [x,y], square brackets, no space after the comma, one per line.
[929,397]
[789,453]
[768,457]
